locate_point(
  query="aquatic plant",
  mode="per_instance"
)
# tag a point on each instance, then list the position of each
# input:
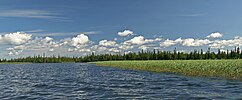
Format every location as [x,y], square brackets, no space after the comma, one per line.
[230,69]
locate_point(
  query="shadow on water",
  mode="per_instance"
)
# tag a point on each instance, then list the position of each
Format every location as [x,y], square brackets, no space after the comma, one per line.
[87,81]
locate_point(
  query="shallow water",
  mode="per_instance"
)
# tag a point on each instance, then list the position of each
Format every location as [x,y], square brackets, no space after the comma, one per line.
[87,81]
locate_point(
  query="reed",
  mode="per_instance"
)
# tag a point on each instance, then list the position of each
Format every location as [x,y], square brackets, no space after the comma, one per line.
[230,69]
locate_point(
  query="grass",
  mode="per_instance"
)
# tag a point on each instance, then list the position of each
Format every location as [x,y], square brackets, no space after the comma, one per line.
[229,69]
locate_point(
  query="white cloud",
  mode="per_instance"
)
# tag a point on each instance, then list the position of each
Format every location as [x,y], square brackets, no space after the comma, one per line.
[20,47]
[13,53]
[70,50]
[107,43]
[153,40]
[10,53]
[127,52]
[84,50]
[47,39]
[40,14]
[195,42]
[125,33]
[79,40]
[91,32]
[237,41]
[37,44]
[103,49]
[115,50]
[139,40]
[46,42]
[98,48]
[60,34]
[136,40]
[24,41]
[15,38]
[143,47]
[18,43]
[34,31]
[125,47]
[215,35]
[168,42]
[135,43]
[51,50]
[185,42]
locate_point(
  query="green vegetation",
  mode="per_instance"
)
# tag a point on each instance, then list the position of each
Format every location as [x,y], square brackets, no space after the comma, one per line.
[230,69]
[196,63]
[40,59]
[141,55]
[15,63]
[166,55]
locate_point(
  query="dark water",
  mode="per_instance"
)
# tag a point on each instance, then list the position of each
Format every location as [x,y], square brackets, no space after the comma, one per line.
[86,81]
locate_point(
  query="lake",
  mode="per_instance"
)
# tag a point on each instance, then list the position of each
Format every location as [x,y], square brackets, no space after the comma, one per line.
[88,81]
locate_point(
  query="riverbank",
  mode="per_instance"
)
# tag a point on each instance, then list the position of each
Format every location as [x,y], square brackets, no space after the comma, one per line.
[229,69]
[15,63]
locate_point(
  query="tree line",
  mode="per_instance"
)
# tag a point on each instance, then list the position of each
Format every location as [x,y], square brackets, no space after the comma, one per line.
[141,55]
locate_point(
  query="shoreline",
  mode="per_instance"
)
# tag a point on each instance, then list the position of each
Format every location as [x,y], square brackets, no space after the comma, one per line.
[227,69]
[15,63]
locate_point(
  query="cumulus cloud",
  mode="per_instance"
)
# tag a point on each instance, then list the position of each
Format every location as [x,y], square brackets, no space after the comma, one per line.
[17,43]
[84,50]
[125,33]
[139,40]
[20,47]
[37,44]
[79,40]
[15,38]
[13,53]
[107,43]
[125,47]
[153,40]
[136,40]
[195,42]
[23,41]
[10,53]
[215,35]
[46,42]
[47,39]
[143,47]
[51,49]
[169,42]
[127,52]
[237,41]
[115,50]
[71,50]
[99,48]
[185,42]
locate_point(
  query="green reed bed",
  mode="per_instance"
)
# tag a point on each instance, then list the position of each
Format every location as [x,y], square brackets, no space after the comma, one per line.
[231,69]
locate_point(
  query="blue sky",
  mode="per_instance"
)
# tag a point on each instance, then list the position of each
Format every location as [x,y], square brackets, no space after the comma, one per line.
[158,22]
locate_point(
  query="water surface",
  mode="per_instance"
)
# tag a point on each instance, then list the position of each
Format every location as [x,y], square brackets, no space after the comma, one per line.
[87,81]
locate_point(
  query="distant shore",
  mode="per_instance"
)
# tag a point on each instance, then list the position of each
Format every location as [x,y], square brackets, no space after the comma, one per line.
[15,63]
[228,69]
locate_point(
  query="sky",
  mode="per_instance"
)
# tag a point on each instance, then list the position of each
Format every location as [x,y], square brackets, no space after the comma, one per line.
[80,27]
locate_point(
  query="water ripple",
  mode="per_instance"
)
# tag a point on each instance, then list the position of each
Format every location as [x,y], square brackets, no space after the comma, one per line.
[87,81]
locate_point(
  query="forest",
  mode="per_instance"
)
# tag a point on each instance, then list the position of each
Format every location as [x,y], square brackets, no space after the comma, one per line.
[141,55]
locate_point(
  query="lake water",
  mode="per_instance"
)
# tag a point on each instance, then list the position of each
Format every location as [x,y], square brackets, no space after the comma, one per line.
[87,81]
